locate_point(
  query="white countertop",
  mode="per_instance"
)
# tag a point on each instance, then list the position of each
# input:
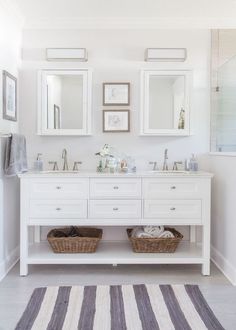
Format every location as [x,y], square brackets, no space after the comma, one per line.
[93,174]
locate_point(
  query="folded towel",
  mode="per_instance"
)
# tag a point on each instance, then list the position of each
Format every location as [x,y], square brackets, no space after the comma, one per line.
[166,234]
[15,155]
[154,231]
[139,232]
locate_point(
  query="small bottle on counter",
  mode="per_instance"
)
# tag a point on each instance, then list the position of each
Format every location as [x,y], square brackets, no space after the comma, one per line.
[38,164]
[193,165]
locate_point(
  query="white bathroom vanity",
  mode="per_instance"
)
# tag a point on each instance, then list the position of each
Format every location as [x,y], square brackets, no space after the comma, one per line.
[94,199]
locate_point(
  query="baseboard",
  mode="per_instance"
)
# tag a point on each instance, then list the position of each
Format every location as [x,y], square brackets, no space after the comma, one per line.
[9,262]
[224,265]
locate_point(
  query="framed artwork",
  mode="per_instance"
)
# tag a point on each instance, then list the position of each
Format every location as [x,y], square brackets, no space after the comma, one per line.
[9,96]
[116,120]
[57,117]
[116,93]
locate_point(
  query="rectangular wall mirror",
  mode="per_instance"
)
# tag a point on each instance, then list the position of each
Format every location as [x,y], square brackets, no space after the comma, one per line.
[165,105]
[64,102]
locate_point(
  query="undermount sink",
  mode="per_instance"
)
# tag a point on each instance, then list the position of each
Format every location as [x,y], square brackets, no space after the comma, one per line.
[169,172]
[59,172]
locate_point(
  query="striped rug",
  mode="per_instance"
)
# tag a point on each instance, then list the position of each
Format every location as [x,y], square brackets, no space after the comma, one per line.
[118,307]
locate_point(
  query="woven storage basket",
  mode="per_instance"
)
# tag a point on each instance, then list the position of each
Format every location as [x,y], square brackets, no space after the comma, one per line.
[155,244]
[86,244]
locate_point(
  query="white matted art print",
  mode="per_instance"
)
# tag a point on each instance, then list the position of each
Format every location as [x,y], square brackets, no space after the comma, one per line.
[9,96]
[116,121]
[116,93]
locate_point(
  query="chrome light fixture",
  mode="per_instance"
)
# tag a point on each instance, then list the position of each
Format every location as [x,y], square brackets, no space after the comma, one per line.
[165,54]
[67,54]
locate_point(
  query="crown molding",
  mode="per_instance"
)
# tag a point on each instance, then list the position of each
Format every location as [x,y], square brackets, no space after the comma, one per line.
[129,23]
[12,10]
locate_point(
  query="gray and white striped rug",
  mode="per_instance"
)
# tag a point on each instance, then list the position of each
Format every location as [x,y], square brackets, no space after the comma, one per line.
[118,307]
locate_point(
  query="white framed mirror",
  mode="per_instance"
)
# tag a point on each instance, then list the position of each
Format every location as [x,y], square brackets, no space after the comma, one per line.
[165,102]
[64,102]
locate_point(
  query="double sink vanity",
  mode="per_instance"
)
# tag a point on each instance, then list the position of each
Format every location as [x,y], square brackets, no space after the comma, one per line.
[173,198]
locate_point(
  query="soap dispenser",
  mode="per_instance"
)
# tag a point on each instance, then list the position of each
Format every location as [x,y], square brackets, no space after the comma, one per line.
[193,166]
[38,164]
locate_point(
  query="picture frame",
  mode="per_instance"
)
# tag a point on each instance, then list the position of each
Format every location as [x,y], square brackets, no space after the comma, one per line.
[9,96]
[116,121]
[116,94]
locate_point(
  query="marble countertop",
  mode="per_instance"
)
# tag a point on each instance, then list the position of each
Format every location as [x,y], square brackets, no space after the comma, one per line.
[138,174]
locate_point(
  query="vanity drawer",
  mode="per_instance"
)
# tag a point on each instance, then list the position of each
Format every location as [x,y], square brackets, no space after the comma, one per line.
[173,209]
[71,209]
[59,188]
[117,209]
[115,188]
[172,188]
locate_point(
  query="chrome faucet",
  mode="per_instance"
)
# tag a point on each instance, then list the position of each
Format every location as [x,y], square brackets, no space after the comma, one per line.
[64,156]
[165,166]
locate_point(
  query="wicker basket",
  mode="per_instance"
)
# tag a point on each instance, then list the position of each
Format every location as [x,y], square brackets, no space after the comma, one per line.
[86,244]
[155,244]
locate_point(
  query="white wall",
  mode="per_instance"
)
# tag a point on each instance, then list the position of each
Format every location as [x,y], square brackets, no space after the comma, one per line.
[116,55]
[10,40]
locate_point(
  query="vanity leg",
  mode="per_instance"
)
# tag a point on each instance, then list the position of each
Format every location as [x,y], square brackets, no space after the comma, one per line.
[23,250]
[206,245]
[192,234]
[37,234]
[206,268]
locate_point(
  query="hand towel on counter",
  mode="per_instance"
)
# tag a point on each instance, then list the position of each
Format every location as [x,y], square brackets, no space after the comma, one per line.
[15,155]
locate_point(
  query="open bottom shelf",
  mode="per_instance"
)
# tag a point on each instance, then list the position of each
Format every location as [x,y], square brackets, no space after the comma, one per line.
[119,252]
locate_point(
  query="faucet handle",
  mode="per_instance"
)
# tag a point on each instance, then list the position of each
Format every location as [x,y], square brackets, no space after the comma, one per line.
[75,167]
[175,166]
[154,165]
[55,166]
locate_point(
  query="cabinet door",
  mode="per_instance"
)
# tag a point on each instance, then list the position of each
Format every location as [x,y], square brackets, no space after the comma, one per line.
[62,209]
[173,209]
[115,209]
[59,188]
[115,188]
[170,188]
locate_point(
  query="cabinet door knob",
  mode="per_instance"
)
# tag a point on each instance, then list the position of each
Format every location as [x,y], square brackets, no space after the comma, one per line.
[115,187]
[173,187]
[172,208]
[58,187]
[115,209]
[58,209]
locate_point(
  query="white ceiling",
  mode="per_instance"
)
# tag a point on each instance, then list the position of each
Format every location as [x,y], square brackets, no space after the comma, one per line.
[72,13]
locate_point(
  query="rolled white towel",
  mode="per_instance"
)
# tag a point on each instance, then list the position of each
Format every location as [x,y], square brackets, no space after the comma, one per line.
[154,231]
[136,230]
[166,234]
[139,232]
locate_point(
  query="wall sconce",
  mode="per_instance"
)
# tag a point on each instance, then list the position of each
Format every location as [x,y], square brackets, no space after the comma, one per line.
[67,54]
[165,54]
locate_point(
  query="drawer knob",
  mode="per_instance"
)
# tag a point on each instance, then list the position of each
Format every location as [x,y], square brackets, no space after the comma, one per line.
[58,209]
[115,209]
[58,187]
[172,208]
[173,187]
[115,187]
